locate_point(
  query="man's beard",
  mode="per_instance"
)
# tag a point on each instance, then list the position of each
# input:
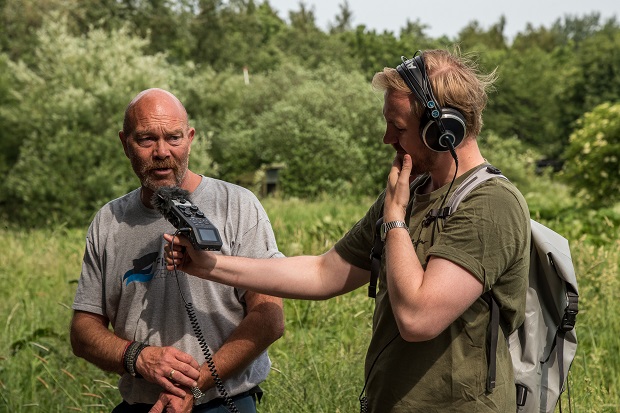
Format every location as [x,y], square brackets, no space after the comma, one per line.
[423,162]
[148,180]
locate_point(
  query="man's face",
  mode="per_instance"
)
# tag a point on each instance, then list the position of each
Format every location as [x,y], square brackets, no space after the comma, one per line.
[159,147]
[403,132]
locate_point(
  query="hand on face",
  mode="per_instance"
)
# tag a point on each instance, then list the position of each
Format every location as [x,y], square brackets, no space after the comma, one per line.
[397,190]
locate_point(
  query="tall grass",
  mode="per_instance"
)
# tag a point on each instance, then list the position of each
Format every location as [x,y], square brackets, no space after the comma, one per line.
[317,364]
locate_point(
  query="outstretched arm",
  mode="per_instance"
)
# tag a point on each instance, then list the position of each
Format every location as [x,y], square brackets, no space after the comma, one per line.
[303,277]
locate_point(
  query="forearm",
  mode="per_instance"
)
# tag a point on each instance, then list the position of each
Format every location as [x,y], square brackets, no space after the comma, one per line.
[263,325]
[293,277]
[303,277]
[404,275]
[93,341]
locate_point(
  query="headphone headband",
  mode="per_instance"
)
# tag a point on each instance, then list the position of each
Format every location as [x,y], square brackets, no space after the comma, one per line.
[413,73]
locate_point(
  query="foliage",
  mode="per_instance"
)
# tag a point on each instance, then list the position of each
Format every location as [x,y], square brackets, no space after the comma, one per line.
[524,101]
[592,158]
[67,116]
[548,197]
[323,125]
[68,67]
[595,380]
[517,162]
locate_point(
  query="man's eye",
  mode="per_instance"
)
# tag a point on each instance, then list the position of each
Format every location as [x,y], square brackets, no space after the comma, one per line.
[144,141]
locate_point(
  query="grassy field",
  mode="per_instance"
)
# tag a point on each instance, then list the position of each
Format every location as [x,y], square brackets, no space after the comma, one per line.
[317,365]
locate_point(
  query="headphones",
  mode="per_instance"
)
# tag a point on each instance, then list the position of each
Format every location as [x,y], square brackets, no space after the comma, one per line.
[441,129]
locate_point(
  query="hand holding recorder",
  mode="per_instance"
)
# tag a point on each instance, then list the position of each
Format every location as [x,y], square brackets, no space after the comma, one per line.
[181,255]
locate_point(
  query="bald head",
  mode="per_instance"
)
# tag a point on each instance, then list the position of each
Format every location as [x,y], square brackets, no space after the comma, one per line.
[153,99]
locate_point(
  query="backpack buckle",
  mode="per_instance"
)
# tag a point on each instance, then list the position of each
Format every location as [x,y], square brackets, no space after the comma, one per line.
[570,312]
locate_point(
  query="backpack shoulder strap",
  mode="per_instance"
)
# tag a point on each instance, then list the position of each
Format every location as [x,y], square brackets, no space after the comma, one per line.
[482,174]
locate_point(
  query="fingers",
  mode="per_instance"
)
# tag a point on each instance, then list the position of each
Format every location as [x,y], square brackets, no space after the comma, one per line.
[174,251]
[171,404]
[401,166]
[187,359]
[172,369]
[178,241]
[397,190]
[160,405]
[407,165]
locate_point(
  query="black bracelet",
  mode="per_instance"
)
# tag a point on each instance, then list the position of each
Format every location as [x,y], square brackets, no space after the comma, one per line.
[131,357]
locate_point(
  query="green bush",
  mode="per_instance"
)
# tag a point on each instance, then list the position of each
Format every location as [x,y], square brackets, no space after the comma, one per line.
[593,156]
[67,113]
[518,162]
[325,126]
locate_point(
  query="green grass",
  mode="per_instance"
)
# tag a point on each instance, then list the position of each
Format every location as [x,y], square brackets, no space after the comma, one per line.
[317,364]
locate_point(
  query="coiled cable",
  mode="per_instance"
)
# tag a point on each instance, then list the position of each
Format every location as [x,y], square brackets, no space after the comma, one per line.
[193,319]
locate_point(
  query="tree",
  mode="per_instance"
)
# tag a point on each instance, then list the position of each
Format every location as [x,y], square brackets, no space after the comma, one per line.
[324,125]
[525,101]
[71,105]
[591,77]
[472,36]
[541,38]
[344,20]
[592,165]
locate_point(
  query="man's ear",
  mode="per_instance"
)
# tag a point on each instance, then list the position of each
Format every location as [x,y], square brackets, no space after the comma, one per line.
[190,135]
[123,139]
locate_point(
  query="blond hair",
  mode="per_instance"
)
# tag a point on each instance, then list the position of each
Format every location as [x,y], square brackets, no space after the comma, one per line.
[456,84]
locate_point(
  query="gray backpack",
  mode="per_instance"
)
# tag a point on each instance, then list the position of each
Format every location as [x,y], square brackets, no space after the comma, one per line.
[544,346]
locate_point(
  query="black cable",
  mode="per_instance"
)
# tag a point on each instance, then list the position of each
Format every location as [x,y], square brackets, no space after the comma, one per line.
[363,399]
[193,319]
[450,145]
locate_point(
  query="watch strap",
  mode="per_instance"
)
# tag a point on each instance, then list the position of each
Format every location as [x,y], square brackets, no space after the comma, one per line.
[387,226]
[196,392]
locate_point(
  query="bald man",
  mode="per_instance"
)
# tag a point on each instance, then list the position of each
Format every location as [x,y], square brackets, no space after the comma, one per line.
[125,284]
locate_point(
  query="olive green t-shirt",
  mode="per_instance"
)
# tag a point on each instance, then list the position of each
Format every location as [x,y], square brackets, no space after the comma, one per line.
[488,235]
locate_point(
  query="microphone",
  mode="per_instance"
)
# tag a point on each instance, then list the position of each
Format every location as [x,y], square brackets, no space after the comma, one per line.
[174,204]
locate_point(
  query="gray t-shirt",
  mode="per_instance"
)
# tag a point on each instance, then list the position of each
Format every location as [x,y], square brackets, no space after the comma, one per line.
[124,278]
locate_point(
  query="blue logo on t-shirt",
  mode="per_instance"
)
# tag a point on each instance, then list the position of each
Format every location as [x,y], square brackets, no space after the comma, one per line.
[143,269]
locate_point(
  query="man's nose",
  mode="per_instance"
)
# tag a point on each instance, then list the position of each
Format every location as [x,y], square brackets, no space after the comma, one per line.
[389,138]
[161,149]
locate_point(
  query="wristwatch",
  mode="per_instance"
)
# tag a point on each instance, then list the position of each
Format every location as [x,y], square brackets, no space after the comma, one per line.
[386,226]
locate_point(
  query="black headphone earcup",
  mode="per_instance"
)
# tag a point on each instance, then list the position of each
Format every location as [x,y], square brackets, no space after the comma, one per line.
[454,125]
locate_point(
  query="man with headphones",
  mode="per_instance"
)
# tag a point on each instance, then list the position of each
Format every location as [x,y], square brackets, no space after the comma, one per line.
[428,351]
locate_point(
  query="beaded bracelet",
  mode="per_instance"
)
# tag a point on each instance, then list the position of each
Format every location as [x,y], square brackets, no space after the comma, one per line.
[130,357]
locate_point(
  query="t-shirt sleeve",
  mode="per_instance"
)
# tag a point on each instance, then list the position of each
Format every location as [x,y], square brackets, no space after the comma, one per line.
[488,234]
[257,239]
[89,294]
